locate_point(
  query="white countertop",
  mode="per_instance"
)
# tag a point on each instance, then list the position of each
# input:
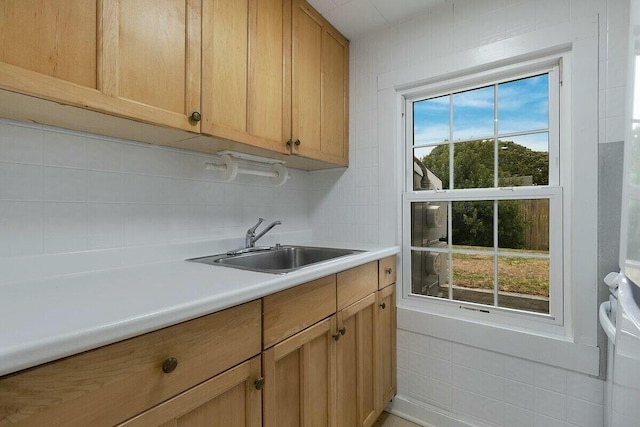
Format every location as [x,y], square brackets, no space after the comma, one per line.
[52,316]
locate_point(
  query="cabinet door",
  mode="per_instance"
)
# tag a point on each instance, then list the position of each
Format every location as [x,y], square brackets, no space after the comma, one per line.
[53,38]
[357,364]
[245,87]
[269,103]
[151,60]
[49,47]
[230,399]
[320,87]
[299,375]
[386,345]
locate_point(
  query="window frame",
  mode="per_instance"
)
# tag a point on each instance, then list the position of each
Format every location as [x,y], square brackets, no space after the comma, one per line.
[558,290]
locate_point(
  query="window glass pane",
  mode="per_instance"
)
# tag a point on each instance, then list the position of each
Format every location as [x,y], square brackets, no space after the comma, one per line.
[634,164]
[523,283]
[523,225]
[430,274]
[473,164]
[524,160]
[636,90]
[431,168]
[431,120]
[523,104]
[633,231]
[429,224]
[472,224]
[473,114]
[473,278]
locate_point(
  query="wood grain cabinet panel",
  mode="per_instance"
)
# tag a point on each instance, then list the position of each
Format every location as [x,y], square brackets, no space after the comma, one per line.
[245,92]
[151,60]
[290,311]
[138,60]
[386,272]
[55,38]
[357,364]
[230,399]
[356,283]
[299,374]
[108,385]
[320,68]
[386,345]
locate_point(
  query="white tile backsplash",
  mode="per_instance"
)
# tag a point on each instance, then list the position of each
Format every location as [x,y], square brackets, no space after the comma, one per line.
[64,191]
[20,144]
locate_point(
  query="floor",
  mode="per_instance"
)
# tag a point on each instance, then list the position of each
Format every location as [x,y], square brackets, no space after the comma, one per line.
[389,420]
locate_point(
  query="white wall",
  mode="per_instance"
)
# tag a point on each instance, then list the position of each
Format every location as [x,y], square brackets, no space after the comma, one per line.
[461,384]
[440,381]
[63,191]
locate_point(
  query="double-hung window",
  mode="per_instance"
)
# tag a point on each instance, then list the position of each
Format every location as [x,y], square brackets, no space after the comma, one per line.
[482,207]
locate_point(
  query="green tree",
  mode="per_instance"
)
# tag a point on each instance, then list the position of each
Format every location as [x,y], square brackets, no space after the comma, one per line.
[474,168]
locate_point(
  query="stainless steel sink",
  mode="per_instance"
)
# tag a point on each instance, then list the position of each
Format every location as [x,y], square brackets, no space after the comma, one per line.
[279,259]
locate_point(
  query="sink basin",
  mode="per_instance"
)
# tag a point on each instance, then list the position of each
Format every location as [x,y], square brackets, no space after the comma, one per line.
[279,259]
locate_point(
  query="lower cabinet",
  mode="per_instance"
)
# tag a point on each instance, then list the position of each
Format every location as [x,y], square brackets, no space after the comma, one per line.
[231,399]
[299,372]
[318,354]
[357,364]
[386,345]
[111,384]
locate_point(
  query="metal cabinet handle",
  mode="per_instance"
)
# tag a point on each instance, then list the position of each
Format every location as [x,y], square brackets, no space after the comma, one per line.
[169,365]
[389,270]
[259,383]
[297,142]
[196,116]
[289,143]
[383,306]
[342,331]
[336,336]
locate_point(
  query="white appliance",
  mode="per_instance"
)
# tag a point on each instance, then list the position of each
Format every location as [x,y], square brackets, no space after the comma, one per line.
[620,316]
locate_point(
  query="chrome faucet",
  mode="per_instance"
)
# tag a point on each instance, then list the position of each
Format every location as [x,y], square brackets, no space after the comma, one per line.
[251,238]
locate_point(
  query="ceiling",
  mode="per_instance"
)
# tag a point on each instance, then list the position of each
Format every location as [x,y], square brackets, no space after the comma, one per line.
[354,18]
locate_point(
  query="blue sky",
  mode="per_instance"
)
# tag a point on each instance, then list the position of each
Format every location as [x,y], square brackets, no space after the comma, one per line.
[522,106]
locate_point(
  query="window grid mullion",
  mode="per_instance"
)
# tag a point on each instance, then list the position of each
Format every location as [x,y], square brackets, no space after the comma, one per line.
[450,246]
[451,148]
[495,253]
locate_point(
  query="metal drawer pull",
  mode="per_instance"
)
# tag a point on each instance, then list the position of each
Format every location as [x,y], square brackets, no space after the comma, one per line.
[389,270]
[383,306]
[169,365]
[340,332]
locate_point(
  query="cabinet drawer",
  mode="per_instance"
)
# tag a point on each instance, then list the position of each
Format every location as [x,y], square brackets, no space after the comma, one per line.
[290,311]
[357,283]
[386,272]
[108,385]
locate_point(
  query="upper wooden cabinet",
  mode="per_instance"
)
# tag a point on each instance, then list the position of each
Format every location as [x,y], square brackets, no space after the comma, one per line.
[139,60]
[275,75]
[245,92]
[151,59]
[52,38]
[320,88]
[268,77]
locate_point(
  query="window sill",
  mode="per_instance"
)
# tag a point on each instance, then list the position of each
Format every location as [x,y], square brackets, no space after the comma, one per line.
[556,351]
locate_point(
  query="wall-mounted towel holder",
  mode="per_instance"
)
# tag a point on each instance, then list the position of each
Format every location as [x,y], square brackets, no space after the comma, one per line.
[231,163]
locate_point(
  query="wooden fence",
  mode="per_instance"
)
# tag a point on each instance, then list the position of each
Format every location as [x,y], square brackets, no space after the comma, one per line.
[535,215]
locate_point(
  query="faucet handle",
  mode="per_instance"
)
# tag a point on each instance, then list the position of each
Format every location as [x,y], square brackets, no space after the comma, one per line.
[253,229]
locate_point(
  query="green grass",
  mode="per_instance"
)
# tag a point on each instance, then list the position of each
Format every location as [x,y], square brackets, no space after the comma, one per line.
[528,276]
